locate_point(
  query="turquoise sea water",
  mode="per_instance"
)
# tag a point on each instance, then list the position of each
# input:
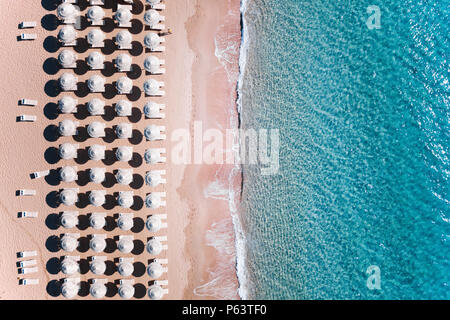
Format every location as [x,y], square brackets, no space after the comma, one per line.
[364,166]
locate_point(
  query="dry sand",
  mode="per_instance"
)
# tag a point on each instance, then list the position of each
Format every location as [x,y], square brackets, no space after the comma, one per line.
[198,87]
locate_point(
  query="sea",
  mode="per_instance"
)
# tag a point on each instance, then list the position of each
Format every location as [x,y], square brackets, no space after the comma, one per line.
[359,207]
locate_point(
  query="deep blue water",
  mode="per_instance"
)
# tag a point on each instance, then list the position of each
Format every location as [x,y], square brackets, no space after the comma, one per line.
[364,158]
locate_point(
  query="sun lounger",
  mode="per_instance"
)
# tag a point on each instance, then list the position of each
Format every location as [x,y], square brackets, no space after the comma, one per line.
[126,281]
[162,261]
[162,282]
[27,118]
[26,254]
[70,1]
[158,6]
[27,24]
[27,282]
[26,263]
[159,27]
[97,2]
[40,174]
[161,238]
[26,192]
[28,102]
[28,270]
[27,214]
[28,36]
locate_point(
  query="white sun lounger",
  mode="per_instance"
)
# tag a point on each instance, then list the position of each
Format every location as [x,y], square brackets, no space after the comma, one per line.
[28,102]
[70,1]
[27,282]
[126,281]
[27,214]
[161,238]
[27,24]
[97,2]
[26,263]
[28,270]
[162,261]
[158,6]
[26,254]
[40,174]
[27,118]
[28,36]
[159,26]
[26,192]
[130,8]
[162,282]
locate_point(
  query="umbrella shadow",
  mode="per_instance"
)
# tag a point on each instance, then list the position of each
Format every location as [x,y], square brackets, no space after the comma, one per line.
[51,111]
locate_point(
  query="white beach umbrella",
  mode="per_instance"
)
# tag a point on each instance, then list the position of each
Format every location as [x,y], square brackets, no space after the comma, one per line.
[153,223]
[152,201]
[66,11]
[95,13]
[67,58]
[95,60]
[125,245]
[97,244]
[151,109]
[124,130]
[125,199]
[68,221]
[123,61]
[125,268]
[69,290]
[67,104]
[67,128]
[96,129]
[67,34]
[96,152]
[152,64]
[67,151]
[126,291]
[69,243]
[123,15]
[151,87]
[152,179]
[152,132]
[152,17]
[98,266]
[124,85]
[97,198]
[124,38]
[155,292]
[123,108]
[124,176]
[97,175]
[151,156]
[98,290]
[154,246]
[125,222]
[69,266]
[124,153]
[96,107]
[151,40]
[96,83]
[68,174]
[95,37]
[67,81]
[68,197]
[155,270]
[97,221]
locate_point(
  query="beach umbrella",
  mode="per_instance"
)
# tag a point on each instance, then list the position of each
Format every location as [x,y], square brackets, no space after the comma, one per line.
[95,60]
[151,40]
[152,201]
[154,246]
[155,292]
[124,38]
[153,223]
[68,174]
[67,34]
[96,107]
[151,156]
[123,108]
[126,291]
[125,245]
[123,61]
[67,81]
[69,243]
[96,129]
[67,104]
[95,37]
[67,58]
[152,64]
[151,87]
[97,198]
[98,267]
[68,197]
[124,176]
[66,11]
[98,290]
[125,199]
[123,16]
[67,151]
[68,221]
[125,222]
[152,17]
[124,130]
[152,132]
[152,179]
[97,175]
[69,290]
[155,270]
[95,13]
[124,85]
[97,221]
[124,153]
[69,266]
[151,109]
[96,83]
[125,268]
[67,128]
[96,152]
[97,244]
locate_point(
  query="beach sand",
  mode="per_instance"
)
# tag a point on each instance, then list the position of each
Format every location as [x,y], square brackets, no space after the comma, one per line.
[198,87]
